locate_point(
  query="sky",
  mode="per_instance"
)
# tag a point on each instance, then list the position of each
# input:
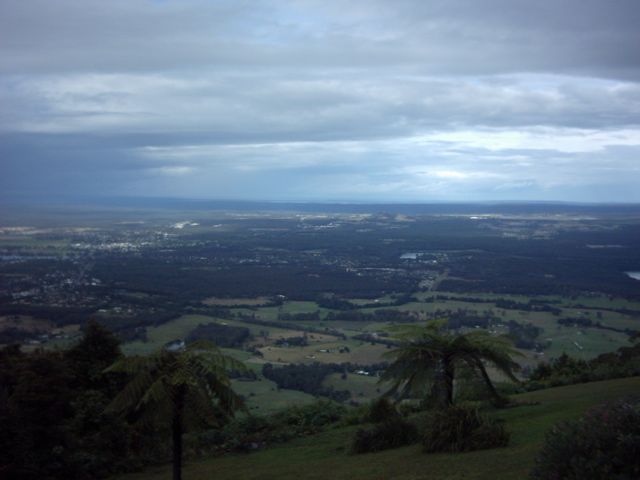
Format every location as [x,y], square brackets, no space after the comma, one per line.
[300,100]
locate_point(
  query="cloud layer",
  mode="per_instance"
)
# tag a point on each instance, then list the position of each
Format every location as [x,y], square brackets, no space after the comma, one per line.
[303,100]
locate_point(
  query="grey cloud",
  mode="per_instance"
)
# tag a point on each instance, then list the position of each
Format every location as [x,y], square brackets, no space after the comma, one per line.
[348,100]
[431,37]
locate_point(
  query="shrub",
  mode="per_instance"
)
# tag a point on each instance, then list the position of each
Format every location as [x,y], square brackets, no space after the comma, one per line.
[381,410]
[316,414]
[384,436]
[560,381]
[249,432]
[354,416]
[604,444]
[409,407]
[462,428]
[533,385]
[505,388]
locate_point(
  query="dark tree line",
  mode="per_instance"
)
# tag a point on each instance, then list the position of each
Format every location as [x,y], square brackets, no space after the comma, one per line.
[288,326]
[381,315]
[306,378]
[526,335]
[292,342]
[380,338]
[191,283]
[224,336]
[587,322]
[309,378]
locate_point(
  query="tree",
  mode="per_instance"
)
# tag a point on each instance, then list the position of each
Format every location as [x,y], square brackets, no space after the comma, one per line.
[97,349]
[431,357]
[35,402]
[52,420]
[178,389]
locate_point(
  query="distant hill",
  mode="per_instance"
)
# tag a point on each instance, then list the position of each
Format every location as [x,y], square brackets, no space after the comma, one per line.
[389,209]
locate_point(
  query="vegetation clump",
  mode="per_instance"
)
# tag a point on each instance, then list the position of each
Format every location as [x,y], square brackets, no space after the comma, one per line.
[462,428]
[381,410]
[383,436]
[565,370]
[256,431]
[604,444]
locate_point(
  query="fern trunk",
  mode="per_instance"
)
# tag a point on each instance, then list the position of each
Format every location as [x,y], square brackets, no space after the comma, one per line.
[487,380]
[176,430]
[449,371]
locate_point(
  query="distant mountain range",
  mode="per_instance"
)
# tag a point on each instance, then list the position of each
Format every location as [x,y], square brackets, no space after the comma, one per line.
[470,208]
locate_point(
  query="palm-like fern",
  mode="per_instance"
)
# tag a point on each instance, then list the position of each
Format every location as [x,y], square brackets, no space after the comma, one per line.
[430,358]
[179,389]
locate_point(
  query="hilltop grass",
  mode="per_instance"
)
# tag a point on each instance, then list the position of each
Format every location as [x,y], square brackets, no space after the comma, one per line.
[324,455]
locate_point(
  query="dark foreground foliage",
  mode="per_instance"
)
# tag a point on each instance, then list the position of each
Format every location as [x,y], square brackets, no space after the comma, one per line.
[462,428]
[52,420]
[453,428]
[257,431]
[602,445]
[383,436]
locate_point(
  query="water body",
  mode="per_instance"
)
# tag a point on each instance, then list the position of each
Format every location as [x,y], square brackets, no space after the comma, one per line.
[413,255]
[634,275]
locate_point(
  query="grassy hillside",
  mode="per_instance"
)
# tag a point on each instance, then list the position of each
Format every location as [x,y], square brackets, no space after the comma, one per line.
[324,456]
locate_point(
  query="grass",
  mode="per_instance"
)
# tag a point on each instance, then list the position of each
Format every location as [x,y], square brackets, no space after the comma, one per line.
[324,455]
[263,396]
[157,336]
[366,388]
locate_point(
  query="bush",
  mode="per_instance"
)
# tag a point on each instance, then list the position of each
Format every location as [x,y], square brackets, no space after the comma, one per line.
[462,428]
[376,411]
[533,385]
[314,415]
[604,444]
[384,436]
[560,381]
[250,432]
[381,410]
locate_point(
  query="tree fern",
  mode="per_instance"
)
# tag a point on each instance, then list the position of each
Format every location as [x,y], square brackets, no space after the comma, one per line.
[430,359]
[180,389]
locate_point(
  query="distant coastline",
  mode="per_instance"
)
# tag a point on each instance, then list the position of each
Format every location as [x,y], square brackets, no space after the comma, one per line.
[415,208]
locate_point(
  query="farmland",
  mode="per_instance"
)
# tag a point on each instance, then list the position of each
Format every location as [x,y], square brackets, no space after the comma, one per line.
[329,283]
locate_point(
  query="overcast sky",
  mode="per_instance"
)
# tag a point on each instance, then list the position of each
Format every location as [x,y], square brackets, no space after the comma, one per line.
[358,100]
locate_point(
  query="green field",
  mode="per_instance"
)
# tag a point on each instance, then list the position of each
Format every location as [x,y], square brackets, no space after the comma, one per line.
[576,340]
[363,388]
[263,397]
[580,342]
[324,455]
